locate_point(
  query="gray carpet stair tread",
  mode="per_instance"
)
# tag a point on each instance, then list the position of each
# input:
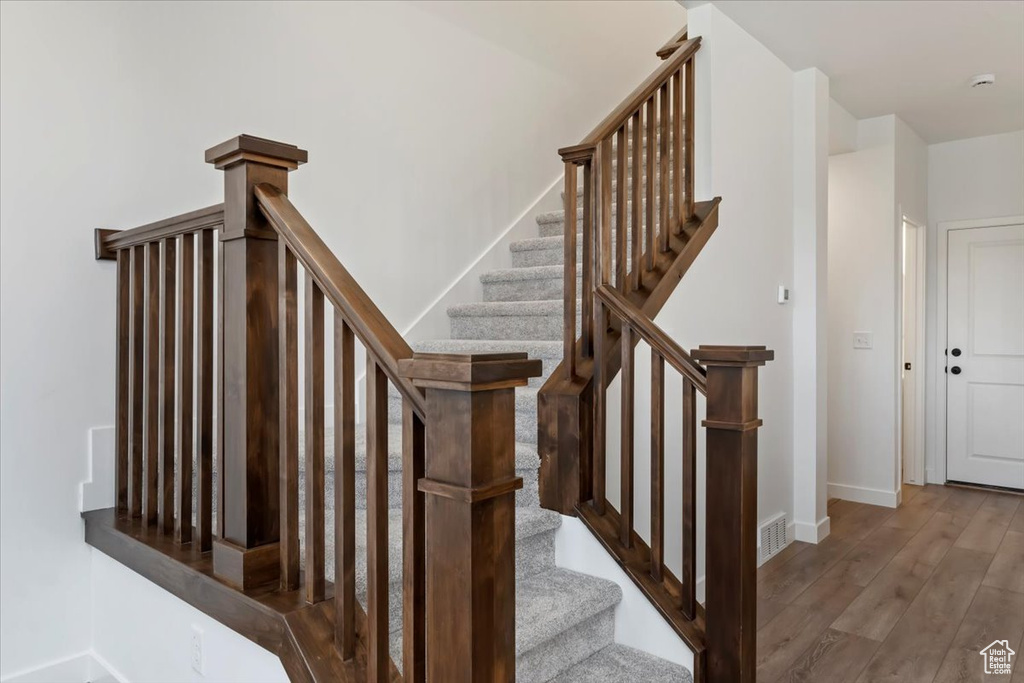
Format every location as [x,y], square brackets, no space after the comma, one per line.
[527,273]
[545,350]
[554,601]
[489,309]
[620,664]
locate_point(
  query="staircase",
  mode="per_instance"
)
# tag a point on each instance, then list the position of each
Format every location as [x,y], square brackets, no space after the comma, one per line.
[564,620]
[421,544]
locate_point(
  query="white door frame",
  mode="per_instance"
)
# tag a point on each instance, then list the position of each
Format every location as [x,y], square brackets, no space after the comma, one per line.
[920,356]
[939,359]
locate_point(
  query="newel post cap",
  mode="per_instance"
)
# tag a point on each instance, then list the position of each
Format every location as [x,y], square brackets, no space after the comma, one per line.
[732,355]
[469,371]
[257,150]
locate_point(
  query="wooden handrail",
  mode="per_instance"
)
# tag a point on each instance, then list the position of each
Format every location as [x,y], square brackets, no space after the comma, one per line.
[193,221]
[673,44]
[655,337]
[624,111]
[369,324]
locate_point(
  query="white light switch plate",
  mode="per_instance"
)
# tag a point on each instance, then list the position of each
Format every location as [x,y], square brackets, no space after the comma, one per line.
[862,340]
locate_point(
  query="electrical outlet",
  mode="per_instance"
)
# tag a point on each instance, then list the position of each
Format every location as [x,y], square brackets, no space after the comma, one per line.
[862,340]
[197,648]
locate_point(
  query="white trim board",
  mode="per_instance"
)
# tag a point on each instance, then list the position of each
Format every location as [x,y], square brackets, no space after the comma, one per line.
[812,533]
[84,667]
[936,468]
[861,494]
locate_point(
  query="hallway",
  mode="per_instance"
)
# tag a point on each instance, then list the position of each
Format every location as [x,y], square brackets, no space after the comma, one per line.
[910,594]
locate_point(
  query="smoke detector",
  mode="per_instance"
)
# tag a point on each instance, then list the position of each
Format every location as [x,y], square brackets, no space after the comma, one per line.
[983,79]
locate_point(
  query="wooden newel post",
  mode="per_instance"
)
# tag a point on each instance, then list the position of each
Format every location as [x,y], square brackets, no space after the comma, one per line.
[246,552]
[731,588]
[469,488]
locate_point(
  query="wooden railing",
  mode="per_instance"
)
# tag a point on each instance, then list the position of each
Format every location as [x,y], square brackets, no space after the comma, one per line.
[640,229]
[165,303]
[450,482]
[647,142]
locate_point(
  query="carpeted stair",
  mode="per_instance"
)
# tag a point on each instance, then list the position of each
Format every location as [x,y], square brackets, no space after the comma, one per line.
[564,620]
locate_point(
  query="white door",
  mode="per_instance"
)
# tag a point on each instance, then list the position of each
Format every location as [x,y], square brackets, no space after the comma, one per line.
[909,368]
[985,358]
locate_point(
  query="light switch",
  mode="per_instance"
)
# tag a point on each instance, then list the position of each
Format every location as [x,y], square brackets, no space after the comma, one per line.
[862,340]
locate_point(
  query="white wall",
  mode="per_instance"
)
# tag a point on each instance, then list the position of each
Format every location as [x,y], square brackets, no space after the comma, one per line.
[729,294]
[870,190]
[430,128]
[142,648]
[861,298]
[967,179]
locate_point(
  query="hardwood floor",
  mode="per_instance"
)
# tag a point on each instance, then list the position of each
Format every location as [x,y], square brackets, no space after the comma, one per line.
[910,594]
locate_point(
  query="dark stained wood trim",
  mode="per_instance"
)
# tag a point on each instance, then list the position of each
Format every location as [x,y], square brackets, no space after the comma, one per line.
[653,335]
[344,487]
[288,383]
[122,401]
[651,85]
[669,48]
[373,329]
[204,393]
[314,451]
[193,221]
[103,252]
[280,621]
[186,374]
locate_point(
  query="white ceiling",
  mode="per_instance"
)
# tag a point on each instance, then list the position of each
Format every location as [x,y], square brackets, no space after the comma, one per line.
[914,58]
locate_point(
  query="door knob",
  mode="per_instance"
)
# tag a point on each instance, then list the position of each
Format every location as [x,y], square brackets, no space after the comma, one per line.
[955,369]
[956,352]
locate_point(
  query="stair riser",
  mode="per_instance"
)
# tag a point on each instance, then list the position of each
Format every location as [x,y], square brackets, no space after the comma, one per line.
[539,289]
[556,228]
[546,327]
[572,646]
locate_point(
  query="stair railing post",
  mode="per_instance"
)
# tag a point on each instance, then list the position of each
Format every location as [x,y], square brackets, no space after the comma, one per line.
[469,488]
[247,550]
[731,559]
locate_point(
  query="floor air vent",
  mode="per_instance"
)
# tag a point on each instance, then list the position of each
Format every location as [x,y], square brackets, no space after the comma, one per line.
[773,536]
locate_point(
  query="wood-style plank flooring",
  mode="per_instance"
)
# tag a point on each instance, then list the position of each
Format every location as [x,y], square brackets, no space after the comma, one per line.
[910,594]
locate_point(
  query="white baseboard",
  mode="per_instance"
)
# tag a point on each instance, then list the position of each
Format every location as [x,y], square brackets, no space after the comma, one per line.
[85,667]
[812,533]
[97,492]
[861,494]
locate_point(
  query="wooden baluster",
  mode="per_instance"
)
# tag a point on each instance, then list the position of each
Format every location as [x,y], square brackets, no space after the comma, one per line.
[677,152]
[137,389]
[169,264]
[414,589]
[657,465]
[344,488]
[603,253]
[186,336]
[219,398]
[587,282]
[288,394]
[689,529]
[569,273]
[152,419]
[652,230]
[626,443]
[122,400]
[204,394]
[378,657]
[688,143]
[732,423]
[314,407]
[470,485]
[636,229]
[621,198]
[663,170]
